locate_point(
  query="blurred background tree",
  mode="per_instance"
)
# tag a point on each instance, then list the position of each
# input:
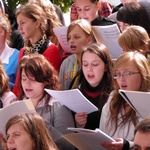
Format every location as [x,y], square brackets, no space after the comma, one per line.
[63,4]
[12,4]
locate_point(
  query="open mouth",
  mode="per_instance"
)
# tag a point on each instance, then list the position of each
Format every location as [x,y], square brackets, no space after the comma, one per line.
[72,46]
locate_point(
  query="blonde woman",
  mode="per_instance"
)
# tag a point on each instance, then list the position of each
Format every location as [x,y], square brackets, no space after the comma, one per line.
[79,34]
[134,38]
[118,119]
[33,25]
[51,15]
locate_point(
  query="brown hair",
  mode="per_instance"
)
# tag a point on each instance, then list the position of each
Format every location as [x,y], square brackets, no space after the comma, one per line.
[143,126]
[51,15]
[103,53]
[4,84]
[34,125]
[40,68]
[5,23]
[34,12]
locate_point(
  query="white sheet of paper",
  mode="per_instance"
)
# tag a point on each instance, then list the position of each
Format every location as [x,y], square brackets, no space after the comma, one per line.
[113,16]
[108,35]
[15,108]
[74,100]
[61,34]
[139,101]
[87,139]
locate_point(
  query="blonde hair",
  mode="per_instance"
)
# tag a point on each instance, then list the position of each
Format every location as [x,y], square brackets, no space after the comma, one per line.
[5,23]
[83,24]
[4,80]
[117,101]
[34,12]
[134,38]
[51,15]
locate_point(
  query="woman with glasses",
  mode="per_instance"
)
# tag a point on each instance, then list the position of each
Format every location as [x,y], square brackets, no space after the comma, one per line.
[118,119]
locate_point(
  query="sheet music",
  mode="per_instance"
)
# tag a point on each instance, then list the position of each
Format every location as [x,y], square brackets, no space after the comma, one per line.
[74,100]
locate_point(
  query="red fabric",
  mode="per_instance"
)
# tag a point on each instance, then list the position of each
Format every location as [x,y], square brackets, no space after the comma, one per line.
[94,94]
[53,56]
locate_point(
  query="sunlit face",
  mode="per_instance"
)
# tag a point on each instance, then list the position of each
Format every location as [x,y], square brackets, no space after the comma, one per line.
[131,82]
[142,141]
[18,138]
[77,40]
[3,37]
[127,1]
[27,27]
[87,10]
[93,68]
[32,88]
[123,26]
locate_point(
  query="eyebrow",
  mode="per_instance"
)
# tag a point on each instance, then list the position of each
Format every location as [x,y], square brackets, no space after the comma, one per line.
[146,148]
[92,61]
[83,7]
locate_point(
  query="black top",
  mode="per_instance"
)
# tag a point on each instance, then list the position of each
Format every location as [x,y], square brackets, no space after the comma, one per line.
[101,21]
[115,9]
[16,40]
[93,95]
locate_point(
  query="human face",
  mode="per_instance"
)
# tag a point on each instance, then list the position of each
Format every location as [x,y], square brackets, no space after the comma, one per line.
[77,40]
[87,10]
[127,1]
[131,82]
[18,138]
[123,26]
[142,141]
[28,28]
[93,68]
[3,37]
[33,90]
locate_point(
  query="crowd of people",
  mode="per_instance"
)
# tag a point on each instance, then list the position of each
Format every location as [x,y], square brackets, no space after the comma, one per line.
[31,60]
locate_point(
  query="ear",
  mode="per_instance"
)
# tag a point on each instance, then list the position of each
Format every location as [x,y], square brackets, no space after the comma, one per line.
[37,23]
[145,47]
[7,35]
[99,5]
[90,39]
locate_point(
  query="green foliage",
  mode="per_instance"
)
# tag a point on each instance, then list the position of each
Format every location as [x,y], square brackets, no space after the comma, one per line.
[63,4]
[14,3]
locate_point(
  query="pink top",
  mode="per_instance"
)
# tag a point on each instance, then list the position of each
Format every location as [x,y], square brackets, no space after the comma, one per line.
[8,97]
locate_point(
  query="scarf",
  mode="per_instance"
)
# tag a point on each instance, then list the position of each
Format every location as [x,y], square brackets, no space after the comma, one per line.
[37,47]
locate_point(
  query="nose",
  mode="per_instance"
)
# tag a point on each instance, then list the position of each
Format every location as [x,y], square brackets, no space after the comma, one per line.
[70,40]
[89,68]
[27,81]
[19,27]
[82,14]
[122,77]
[10,140]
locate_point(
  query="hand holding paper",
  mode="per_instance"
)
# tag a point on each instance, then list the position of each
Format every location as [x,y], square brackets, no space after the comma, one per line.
[15,108]
[87,139]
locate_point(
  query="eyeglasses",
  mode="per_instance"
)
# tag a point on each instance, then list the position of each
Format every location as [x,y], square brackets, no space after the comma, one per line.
[125,74]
